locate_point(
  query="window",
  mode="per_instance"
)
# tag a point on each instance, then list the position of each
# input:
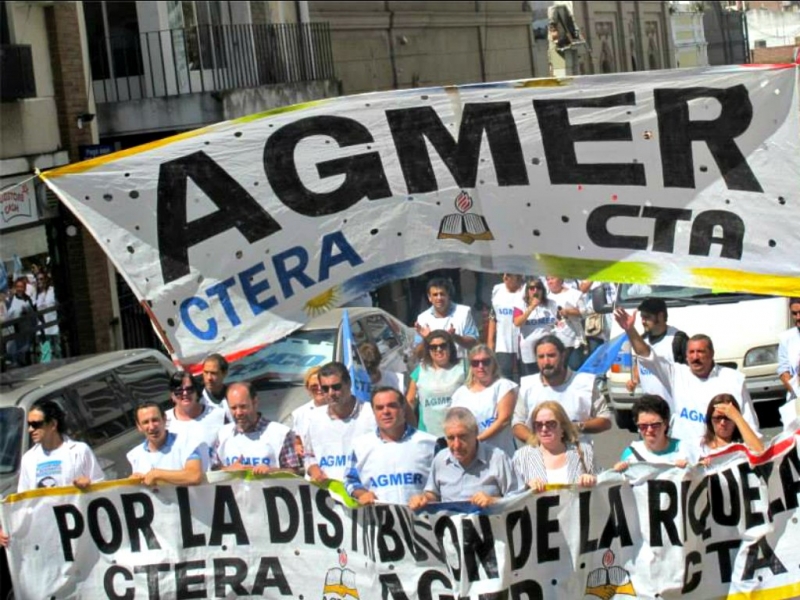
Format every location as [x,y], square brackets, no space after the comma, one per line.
[199,20]
[380,332]
[12,425]
[145,380]
[104,407]
[75,427]
[112,29]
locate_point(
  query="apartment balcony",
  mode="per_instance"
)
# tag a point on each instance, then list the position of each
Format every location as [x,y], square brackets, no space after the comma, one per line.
[181,78]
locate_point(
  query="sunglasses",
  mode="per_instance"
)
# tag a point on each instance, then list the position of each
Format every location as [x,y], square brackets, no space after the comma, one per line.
[437,347]
[477,362]
[539,425]
[654,426]
[720,419]
[334,386]
[36,424]
[183,390]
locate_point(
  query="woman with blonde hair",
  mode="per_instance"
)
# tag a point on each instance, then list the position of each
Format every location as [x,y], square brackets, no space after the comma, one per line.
[302,414]
[490,397]
[554,454]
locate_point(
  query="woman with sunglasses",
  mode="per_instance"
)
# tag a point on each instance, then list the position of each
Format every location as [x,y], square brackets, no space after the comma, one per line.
[651,414]
[535,321]
[55,460]
[189,417]
[490,397]
[725,425]
[302,414]
[439,374]
[554,454]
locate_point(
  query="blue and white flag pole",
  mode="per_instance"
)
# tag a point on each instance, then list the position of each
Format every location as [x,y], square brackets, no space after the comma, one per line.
[360,385]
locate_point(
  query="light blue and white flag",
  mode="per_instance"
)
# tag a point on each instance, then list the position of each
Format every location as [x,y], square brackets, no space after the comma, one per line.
[361,385]
[604,356]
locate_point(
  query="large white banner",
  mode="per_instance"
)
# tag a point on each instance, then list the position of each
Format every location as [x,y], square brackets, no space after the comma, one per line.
[234,235]
[724,531]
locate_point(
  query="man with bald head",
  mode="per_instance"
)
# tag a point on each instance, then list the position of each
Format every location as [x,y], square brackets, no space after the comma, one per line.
[252,441]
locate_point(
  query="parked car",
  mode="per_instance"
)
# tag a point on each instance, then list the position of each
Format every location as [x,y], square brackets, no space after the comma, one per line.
[99,395]
[278,369]
[743,327]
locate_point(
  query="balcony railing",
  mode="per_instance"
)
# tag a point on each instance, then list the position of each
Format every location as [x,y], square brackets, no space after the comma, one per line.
[209,58]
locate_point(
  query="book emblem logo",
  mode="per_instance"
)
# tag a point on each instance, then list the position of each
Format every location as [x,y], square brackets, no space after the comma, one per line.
[464,226]
[340,582]
[609,581]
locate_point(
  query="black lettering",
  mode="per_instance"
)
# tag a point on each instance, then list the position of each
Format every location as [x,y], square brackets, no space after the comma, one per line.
[225,499]
[331,537]
[404,517]
[664,227]
[105,546]
[699,522]
[237,209]
[585,512]
[597,227]
[363,173]
[662,517]
[421,539]
[677,132]
[222,580]
[690,584]
[411,126]
[108,583]
[68,531]
[445,524]
[308,514]
[750,494]
[724,551]
[480,547]
[718,500]
[519,555]
[391,586]
[270,564]
[559,138]
[426,581]
[789,470]
[386,533]
[152,571]
[291,522]
[139,524]
[760,555]
[617,524]
[526,590]
[544,527]
[184,581]
[732,240]
[189,537]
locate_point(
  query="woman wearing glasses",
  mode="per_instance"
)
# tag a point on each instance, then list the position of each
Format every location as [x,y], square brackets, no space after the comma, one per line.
[535,321]
[490,397]
[55,460]
[651,414]
[554,455]
[439,374]
[725,425]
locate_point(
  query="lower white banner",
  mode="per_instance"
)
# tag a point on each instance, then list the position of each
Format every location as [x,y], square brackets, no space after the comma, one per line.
[726,530]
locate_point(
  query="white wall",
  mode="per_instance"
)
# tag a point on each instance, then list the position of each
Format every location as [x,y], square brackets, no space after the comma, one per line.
[776,28]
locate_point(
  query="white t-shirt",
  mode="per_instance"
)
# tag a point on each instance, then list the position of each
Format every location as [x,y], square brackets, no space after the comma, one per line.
[45,300]
[541,322]
[328,441]
[503,304]
[649,383]
[302,415]
[570,329]
[207,399]
[459,318]
[394,471]
[262,446]
[392,379]
[203,429]
[59,467]
[789,356]
[483,405]
[692,394]
[172,456]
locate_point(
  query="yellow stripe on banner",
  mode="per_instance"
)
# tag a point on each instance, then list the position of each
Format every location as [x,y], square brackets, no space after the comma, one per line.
[543,83]
[600,270]
[280,110]
[69,490]
[729,280]
[781,593]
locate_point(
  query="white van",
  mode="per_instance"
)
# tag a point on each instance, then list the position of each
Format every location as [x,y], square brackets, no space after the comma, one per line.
[743,327]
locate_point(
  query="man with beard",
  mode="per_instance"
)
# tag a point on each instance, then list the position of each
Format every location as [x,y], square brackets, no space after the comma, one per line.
[390,464]
[455,319]
[667,341]
[165,456]
[330,433]
[252,441]
[693,385]
[576,392]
